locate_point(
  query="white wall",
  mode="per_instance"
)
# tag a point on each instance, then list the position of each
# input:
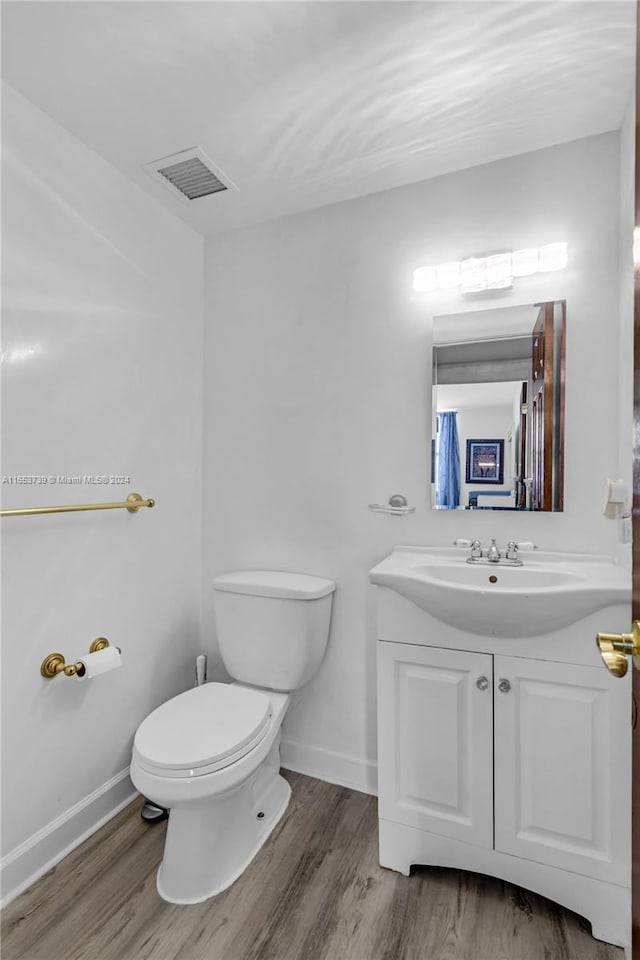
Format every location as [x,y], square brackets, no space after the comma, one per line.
[102,374]
[318,399]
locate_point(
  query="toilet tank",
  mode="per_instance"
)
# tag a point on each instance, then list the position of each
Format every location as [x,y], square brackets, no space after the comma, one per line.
[272,626]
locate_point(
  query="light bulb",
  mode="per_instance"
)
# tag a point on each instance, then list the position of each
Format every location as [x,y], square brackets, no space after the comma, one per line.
[473,275]
[499,273]
[524,262]
[552,257]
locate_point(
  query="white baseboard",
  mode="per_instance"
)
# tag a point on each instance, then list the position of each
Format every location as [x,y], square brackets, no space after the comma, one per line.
[342,769]
[39,853]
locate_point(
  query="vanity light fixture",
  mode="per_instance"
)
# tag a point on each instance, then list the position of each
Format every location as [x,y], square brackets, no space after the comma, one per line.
[499,272]
[490,273]
[552,257]
[525,262]
[473,275]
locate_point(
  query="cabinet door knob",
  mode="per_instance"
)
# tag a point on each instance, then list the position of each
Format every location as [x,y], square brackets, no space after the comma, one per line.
[482,683]
[504,686]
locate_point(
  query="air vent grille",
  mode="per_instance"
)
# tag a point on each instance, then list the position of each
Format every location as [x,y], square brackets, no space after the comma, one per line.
[189,175]
[192,178]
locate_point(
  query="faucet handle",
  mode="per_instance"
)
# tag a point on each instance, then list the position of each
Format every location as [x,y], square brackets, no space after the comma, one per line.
[476,549]
[512,550]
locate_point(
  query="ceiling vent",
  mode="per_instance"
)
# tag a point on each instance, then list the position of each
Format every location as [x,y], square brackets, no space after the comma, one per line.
[189,175]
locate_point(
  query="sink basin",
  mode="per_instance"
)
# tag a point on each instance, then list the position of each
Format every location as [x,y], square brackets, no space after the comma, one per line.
[550,590]
[497,577]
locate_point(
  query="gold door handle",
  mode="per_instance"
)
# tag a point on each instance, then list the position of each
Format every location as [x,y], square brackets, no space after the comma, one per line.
[616,647]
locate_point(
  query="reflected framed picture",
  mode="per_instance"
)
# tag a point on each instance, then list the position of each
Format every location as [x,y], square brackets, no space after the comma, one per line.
[485,461]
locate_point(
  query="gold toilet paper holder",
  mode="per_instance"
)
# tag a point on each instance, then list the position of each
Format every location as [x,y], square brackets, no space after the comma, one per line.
[55,663]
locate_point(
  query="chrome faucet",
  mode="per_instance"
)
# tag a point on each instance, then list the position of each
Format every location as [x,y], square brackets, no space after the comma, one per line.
[493,554]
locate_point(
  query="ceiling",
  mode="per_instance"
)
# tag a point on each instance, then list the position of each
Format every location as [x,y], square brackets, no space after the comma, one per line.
[457,396]
[302,104]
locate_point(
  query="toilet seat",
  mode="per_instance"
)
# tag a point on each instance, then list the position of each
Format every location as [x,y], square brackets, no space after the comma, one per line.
[202,730]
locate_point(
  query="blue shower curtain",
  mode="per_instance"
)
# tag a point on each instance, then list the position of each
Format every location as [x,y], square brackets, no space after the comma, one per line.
[448,484]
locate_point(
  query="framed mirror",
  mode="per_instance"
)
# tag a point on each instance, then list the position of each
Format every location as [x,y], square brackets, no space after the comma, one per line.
[498,409]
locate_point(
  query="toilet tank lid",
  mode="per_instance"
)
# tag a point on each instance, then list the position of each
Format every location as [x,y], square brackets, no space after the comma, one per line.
[274,583]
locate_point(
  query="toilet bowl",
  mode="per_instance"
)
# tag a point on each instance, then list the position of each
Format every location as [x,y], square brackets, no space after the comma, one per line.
[228,798]
[211,755]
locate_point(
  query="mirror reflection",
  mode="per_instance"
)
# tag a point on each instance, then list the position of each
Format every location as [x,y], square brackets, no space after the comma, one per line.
[498,409]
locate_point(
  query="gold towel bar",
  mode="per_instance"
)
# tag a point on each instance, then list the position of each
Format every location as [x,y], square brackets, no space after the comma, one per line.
[133,503]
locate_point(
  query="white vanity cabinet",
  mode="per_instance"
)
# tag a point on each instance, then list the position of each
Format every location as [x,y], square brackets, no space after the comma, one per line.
[509,765]
[435,717]
[560,759]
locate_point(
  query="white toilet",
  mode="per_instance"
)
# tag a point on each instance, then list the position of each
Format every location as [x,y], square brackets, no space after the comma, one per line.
[211,755]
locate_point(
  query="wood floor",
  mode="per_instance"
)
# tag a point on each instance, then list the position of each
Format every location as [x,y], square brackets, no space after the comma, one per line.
[314,892]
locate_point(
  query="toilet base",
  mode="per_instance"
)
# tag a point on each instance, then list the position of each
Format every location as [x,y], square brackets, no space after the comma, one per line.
[210,843]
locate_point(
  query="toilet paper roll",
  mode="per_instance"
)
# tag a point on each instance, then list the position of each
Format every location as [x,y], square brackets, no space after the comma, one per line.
[100,662]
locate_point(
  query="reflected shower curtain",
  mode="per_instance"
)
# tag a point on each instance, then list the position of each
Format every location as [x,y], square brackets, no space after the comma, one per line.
[448,484]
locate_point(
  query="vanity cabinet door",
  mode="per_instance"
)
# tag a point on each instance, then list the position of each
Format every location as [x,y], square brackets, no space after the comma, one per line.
[562,762]
[435,711]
